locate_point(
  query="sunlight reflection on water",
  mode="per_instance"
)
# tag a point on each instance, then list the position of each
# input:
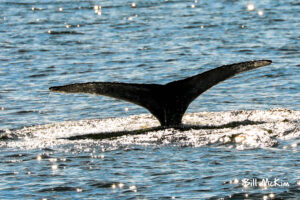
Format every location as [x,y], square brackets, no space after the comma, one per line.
[46,43]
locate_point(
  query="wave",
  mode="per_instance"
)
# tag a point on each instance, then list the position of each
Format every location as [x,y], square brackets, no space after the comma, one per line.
[231,129]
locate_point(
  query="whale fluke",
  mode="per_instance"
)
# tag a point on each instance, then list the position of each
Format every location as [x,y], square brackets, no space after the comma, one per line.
[166,102]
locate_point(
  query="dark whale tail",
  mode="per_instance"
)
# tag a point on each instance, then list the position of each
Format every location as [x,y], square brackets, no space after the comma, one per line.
[166,102]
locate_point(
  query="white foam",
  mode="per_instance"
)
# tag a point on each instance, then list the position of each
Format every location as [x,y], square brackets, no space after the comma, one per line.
[237,129]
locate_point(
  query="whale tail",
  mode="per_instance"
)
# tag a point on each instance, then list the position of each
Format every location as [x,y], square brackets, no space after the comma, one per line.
[168,102]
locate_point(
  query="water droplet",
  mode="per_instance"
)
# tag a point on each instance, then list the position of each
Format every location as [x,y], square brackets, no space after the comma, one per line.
[133,188]
[126,109]
[236,181]
[265,197]
[294,145]
[250,7]
[121,185]
[98,12]
[49,31]
[54,167]
[2,108]
[272,195]
[97,7]
[260,13]
[239,138]
[67,26]
[39,157]
[53,159]
[227,139]
[133,5]
[193,6]
[78,190]
[113,186]
[60,9]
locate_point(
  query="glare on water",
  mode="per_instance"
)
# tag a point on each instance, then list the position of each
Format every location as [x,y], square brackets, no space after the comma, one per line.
[231,133]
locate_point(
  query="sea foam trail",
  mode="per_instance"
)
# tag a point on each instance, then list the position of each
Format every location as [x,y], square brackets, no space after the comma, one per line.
[231,129]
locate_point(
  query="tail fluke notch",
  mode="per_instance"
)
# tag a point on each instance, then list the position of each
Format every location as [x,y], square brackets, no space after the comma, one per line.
[166,102]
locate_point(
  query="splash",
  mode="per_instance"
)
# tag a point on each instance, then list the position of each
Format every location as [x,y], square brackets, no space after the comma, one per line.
[231,129]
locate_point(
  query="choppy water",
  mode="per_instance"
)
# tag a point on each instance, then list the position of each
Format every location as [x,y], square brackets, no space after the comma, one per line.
[235,132]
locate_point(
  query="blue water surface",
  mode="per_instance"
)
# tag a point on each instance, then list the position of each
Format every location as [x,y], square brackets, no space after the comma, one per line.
[47,43]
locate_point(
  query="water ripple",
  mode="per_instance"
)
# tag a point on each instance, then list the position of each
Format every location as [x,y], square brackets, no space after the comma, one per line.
[231,126]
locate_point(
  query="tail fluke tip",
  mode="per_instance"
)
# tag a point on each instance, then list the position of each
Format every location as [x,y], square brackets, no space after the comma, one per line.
[261,63]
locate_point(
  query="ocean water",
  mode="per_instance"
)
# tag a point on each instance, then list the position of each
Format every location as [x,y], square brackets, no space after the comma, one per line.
[240,139]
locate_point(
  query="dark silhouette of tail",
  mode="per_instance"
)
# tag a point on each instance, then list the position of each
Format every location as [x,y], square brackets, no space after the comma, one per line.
[166,102]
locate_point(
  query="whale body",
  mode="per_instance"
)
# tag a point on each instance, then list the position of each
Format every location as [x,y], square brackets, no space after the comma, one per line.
[167,102]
